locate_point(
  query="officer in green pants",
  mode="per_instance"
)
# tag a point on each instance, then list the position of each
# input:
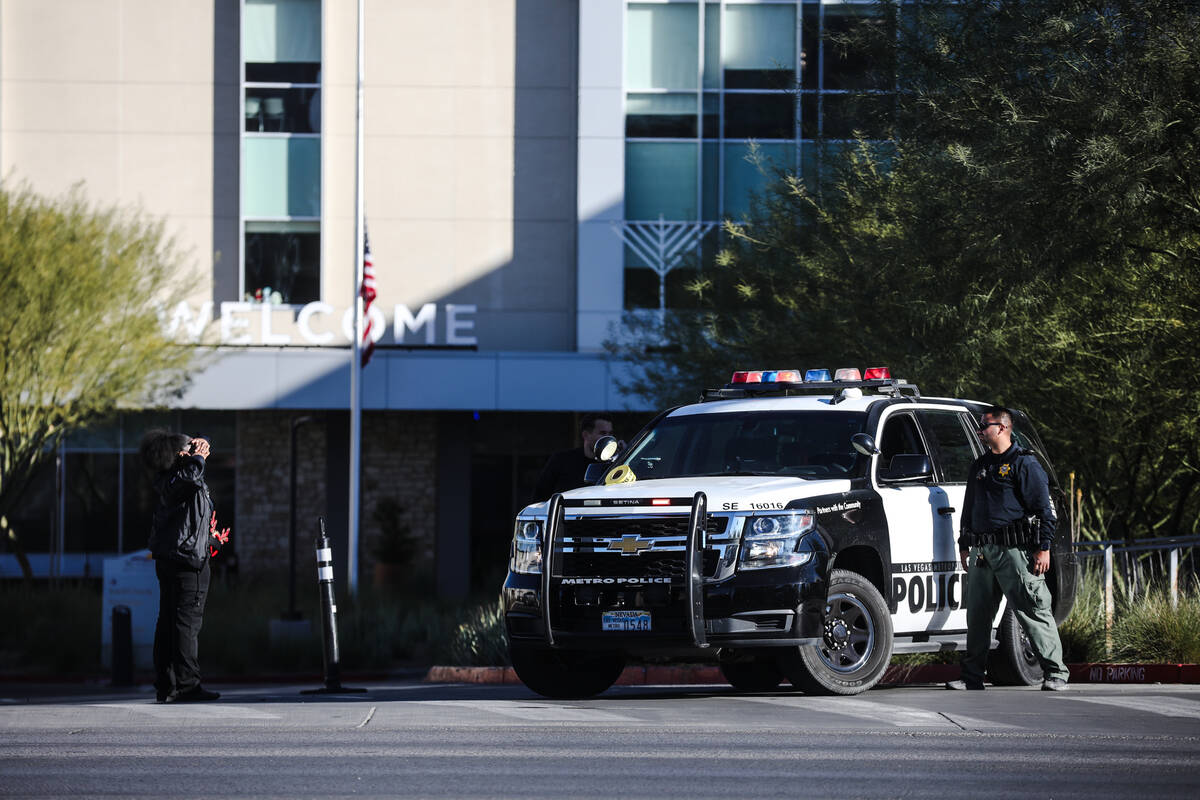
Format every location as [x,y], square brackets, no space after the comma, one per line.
[1008,523]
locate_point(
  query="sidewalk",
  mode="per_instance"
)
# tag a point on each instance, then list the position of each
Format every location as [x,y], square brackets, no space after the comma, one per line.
[895,676]
[632,676]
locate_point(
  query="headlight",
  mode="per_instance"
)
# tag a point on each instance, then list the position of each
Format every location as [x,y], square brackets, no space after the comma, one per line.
[777,540]
[526,552]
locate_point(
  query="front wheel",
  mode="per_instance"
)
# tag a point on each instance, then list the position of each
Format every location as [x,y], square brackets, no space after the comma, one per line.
[856,643]
[565,674]
[1014,663]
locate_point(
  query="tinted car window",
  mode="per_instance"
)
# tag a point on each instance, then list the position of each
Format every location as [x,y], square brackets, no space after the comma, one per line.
[809,444]
[950,439]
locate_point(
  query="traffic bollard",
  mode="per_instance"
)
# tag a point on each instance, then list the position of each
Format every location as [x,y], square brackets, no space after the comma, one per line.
[333,671]
[122,646]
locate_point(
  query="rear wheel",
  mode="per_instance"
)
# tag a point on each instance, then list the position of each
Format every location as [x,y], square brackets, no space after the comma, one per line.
[856,645]
[758,674]
[563,674]
[1014,662]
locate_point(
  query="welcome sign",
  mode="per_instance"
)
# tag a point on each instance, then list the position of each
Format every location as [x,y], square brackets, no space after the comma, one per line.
[317,324]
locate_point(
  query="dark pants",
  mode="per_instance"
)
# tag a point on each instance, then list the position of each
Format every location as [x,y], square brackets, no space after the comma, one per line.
[181,595]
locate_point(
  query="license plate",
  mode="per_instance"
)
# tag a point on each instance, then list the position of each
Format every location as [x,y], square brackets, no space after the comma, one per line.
[625,621]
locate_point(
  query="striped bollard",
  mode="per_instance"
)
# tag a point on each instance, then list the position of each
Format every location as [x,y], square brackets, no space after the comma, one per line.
[333,675]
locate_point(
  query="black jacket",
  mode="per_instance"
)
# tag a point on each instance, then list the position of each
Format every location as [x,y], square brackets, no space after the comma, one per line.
[563,472]
[182,526]
[1003,488]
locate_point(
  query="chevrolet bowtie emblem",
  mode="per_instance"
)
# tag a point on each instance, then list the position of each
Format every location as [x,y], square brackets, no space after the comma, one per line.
[630,545]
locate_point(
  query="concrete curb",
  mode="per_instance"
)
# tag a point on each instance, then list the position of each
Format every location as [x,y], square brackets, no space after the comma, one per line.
[895,676]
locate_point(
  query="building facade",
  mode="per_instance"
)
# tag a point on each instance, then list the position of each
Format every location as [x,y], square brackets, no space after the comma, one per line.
[533,170]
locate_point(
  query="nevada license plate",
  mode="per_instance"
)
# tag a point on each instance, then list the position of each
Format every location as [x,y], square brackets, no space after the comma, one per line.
[625,621]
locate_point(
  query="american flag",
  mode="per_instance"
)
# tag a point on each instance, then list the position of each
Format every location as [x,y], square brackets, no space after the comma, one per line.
[367,291]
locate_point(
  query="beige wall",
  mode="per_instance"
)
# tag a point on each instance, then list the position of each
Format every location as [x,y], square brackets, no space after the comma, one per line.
[116,95]
[469,150]
[469,129]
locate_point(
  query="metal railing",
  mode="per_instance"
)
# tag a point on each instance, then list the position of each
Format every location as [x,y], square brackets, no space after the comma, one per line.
[1142,560]
[1139,563]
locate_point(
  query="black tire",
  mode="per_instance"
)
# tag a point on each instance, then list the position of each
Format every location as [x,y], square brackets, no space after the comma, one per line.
[565,674]
[760,674]
[1014,663]
[857,642]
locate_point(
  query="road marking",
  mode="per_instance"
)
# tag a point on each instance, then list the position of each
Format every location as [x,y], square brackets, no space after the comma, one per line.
[190,711]
[884,713]
[1153,704]
[533,712]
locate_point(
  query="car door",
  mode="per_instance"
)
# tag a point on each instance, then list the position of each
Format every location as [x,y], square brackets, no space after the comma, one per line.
[926,579]
[952,441]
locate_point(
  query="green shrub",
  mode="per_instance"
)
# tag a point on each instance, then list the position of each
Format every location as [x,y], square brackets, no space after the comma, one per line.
[1082,632]
[480,640]
[51,629]
[1149,630]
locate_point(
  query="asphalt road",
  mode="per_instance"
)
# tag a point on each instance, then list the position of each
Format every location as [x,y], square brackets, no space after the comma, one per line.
[420,740]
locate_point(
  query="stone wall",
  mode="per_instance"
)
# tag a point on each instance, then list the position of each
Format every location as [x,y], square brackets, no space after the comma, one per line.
[399,457]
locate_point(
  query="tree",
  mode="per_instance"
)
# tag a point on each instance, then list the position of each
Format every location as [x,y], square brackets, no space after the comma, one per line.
[1030,236]
[80,335]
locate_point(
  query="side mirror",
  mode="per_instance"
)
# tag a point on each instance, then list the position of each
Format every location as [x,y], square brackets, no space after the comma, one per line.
[907,467]
[864,443]
[606,448]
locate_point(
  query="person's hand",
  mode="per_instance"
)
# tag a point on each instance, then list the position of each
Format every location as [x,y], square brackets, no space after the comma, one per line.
[964,556]
[201,447]
[1041,562]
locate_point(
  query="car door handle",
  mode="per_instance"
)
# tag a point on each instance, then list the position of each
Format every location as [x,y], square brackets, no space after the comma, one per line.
[946,510]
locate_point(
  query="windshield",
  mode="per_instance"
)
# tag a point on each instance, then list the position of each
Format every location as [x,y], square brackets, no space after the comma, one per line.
[802,444]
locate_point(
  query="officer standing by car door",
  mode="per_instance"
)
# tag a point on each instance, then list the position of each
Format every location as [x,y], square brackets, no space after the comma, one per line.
[1008,523]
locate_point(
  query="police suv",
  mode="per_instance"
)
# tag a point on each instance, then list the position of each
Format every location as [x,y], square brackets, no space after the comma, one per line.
[787,526]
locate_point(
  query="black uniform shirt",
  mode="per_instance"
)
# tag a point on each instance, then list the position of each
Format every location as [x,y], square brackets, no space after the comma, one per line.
[564,471]
[1004,488]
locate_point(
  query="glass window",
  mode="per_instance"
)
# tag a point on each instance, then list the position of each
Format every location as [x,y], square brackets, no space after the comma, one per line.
[951,442]
[760,116]
[281,150]
[845,114]
[283,258]
[846,66]
[759,46]
[90,482]
[661,116]
[139,500]
[283,177]
[662,49]
[712,46]
[747,174]
[660,179]
[33,517]
[271,109]
[806,445]
[281,40]
[900,437]
[100,435]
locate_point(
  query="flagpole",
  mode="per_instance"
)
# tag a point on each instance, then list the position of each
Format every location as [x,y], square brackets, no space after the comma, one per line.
[356,350]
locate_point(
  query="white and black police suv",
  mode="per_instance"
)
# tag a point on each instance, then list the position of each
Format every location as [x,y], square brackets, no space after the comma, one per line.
[787,526]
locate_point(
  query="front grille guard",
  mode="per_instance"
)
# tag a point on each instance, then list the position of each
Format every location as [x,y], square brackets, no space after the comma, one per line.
[694,555]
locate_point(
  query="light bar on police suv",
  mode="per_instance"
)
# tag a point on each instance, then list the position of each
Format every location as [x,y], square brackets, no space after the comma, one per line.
[844,375]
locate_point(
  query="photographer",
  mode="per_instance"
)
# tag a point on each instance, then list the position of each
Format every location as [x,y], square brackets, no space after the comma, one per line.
[183,538]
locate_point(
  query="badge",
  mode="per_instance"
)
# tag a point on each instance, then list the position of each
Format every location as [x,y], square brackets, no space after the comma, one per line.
[1005,470]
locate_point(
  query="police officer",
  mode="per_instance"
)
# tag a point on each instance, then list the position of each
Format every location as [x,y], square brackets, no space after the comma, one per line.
[1008,523]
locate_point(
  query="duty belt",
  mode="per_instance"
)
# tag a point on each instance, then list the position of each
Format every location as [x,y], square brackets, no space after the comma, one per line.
[1020,533]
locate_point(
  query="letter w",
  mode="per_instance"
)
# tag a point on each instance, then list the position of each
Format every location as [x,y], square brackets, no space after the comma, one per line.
[182,317]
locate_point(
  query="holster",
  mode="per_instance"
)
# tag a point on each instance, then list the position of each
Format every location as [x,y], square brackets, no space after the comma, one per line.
[1023,532]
